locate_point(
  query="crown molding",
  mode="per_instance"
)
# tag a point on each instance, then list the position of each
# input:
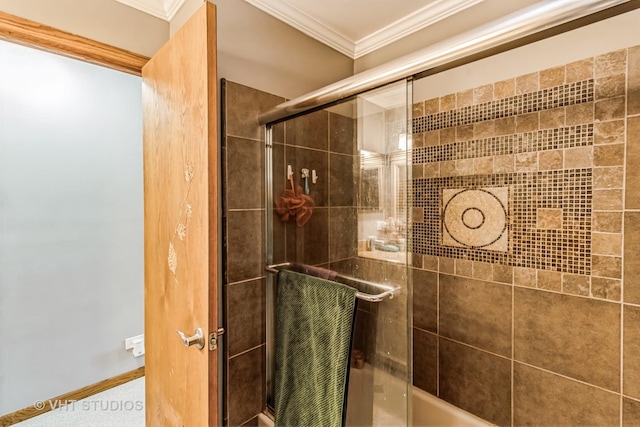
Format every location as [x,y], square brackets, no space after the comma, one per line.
[416,21]
[409,24]
[307,24]
[163,9]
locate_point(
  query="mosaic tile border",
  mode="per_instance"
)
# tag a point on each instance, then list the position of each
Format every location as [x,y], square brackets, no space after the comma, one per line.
[566,248]
[558,96]
[546,139]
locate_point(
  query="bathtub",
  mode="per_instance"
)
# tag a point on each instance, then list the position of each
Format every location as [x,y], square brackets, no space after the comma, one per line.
[389,404]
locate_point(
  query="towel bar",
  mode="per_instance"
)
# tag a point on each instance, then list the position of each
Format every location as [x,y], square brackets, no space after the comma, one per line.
[388,291]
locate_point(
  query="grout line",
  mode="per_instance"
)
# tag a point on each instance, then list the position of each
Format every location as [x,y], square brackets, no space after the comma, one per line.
[624,197]
[513,351]
[239,282]
[246,351]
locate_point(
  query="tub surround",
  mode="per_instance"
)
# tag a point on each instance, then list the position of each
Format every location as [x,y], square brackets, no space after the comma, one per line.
[533,320]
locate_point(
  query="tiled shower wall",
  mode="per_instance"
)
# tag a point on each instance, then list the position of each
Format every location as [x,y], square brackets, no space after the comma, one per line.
[526,291]
[243,253]
[322,141]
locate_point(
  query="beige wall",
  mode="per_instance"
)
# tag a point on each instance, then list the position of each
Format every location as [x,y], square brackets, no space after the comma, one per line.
[611,34]
[476,15]
[259,51]
[106,21]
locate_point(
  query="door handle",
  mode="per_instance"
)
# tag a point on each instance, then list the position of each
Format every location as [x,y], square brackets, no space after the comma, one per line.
[197,338]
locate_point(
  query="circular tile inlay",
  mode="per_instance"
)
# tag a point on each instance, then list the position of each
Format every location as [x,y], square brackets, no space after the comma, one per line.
[475,218]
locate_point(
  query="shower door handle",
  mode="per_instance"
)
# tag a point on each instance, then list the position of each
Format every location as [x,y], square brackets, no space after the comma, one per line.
[197,338]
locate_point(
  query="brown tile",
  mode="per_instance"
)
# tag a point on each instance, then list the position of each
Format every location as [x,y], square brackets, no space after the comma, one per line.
[606,266]
[504,89]
[527,83]
[611,63]
[524,277]
[432,106]
[633,89]
[417,171]
[244,173]
[608,155]
[425,361]
[483,166]
[448,168]
[464,268]
[609,132]
[609,109]
[243,106]
[482,270]
[431,170]
[545,399]
[483,94]
[309,244]
[607,200]
[503,273]
[245,378]
[579,70]
[464,167]
[447,265]
[607,222]
[342,134]
[418,109]
[244,245]
[578,157]
[579,114]
[550,280]
[253,422]
[418,140]
[300,158]
[505,126]
[464,98]
[631,344]
[630,412]
[610,177]
[573,336]
[432,138]
[476,381]
[576,284]
[526,162]
[610,86]
[416,260]
[604,288]
[550,159]
[245,315]
[309,131]
[343,233]
[486,129]
[447,136]
[425,300]
[549,218]
[631,260]
[606,244]
[343,179]
[430,262]
[464,133]
[553,118]
[552,77]
[527,122]
[476,313]
[504,164]
[448,102]
[632,198]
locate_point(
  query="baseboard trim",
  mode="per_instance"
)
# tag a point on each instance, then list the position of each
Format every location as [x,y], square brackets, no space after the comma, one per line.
[81,393]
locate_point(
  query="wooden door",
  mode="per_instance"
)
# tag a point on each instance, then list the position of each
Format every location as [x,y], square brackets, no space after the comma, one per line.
[181,225]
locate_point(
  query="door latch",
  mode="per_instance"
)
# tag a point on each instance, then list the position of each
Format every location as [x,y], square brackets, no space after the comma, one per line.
[213,338]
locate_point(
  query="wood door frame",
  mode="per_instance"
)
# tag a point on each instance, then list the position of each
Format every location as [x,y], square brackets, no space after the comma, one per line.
[43,37]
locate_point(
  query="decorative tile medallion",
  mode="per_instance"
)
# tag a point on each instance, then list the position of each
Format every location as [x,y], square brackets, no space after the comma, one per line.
[475,218]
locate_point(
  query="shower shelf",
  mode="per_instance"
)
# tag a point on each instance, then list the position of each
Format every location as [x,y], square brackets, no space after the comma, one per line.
[387,291]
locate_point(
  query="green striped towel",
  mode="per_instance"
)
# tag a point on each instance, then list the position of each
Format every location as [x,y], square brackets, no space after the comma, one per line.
[314,325]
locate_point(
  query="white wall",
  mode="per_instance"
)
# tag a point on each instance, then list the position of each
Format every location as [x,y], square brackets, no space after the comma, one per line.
[71,224]
[605,36]
[262,52]
[106,21]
